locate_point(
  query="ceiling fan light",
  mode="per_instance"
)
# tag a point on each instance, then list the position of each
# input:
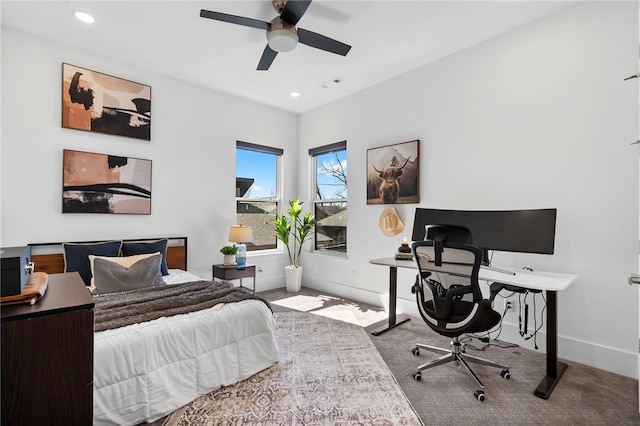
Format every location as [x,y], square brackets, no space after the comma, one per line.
[282,40]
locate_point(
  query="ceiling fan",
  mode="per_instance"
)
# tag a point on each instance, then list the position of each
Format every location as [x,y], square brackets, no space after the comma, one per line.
[282,34]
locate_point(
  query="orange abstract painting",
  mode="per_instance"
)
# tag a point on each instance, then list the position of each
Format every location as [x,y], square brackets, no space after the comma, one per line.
[98,102]
[101,183]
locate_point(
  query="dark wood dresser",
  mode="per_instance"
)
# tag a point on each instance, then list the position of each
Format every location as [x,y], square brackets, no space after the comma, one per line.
[47,357]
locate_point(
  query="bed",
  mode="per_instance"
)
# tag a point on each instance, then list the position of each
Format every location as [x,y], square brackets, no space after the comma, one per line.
[145,370]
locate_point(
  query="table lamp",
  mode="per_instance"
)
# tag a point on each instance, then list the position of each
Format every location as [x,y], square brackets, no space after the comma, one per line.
[241,234]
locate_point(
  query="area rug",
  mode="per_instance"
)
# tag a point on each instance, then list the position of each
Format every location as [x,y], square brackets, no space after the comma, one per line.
[329,373]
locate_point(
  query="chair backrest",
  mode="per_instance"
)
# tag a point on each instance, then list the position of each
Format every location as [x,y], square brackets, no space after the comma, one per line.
[447,287]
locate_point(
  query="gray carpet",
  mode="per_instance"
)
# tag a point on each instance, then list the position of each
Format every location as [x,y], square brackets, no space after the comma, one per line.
[584,396]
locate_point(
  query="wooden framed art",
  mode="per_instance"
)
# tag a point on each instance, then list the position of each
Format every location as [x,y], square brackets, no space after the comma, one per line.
[98,102]
[393,174]
[101,183]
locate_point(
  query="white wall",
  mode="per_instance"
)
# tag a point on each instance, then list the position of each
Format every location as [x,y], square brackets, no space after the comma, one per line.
[538,117]
[193,136]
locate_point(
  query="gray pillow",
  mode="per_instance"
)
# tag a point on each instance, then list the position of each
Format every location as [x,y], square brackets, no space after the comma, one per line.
[111,277]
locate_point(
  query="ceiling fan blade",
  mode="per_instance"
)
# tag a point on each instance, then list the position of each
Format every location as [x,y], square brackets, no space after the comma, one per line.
[293,10]
[233,19]
[267,58]
[322,42]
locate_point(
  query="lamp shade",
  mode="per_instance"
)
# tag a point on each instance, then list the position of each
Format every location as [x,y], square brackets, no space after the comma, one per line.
[240,234]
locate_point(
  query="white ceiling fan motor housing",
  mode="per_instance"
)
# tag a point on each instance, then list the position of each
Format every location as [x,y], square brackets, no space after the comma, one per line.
[282,36]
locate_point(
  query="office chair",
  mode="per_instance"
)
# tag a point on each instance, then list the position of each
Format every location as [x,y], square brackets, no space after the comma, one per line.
[451,302]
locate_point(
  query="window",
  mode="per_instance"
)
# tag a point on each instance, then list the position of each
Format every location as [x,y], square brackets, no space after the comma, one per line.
[257,193]
[330,199]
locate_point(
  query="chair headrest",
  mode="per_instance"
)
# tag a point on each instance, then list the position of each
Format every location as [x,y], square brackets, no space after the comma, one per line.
[452,233]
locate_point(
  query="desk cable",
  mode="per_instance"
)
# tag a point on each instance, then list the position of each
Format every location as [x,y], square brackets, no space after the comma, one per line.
[524,326]
[487,339]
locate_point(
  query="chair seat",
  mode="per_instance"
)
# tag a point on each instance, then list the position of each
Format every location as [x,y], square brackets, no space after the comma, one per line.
[484,320]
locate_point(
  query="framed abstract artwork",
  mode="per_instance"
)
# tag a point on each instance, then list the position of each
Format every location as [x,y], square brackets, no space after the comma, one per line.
[393,174]
[101,183]
[98,102]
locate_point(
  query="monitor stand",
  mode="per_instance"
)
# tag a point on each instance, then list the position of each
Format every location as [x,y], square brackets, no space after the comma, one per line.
[504,271]
[486,263]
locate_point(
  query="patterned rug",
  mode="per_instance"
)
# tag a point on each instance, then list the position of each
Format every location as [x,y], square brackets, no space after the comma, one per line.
[329,374]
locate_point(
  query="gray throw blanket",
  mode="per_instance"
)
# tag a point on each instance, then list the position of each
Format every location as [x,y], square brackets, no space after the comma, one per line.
[113,310]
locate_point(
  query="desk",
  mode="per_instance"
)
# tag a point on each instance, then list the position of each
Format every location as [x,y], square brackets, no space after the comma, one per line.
[550,282]
[393,265]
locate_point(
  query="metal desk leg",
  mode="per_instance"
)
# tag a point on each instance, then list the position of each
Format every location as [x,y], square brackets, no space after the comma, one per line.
[393,319]
[555,369]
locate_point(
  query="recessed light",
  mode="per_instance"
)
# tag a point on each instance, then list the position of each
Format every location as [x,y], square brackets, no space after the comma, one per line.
[295,94]
[84,17]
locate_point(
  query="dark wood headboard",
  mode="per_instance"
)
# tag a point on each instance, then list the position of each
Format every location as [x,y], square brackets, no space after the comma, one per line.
[48,257]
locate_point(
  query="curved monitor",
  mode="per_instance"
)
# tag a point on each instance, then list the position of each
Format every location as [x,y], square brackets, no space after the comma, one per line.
[524,231]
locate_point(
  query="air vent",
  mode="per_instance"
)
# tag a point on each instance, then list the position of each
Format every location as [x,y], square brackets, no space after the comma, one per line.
[329,83]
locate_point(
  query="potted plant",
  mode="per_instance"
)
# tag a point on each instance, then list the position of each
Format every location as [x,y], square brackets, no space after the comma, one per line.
[293,230]
[229,253]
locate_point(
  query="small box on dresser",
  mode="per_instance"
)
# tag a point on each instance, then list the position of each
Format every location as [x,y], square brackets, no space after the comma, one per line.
[15,269]
[47,356]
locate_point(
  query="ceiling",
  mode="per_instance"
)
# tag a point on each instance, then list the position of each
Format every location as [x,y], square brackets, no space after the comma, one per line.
[388,38]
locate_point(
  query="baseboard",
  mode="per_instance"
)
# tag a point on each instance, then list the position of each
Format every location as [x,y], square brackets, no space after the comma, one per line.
[265,284]
[587,353]
[598,356]
[355,293]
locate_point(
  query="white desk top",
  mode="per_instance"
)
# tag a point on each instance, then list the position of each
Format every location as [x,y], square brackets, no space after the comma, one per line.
[535,280]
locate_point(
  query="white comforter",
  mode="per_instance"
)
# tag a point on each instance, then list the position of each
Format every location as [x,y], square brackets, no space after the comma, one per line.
[144,371]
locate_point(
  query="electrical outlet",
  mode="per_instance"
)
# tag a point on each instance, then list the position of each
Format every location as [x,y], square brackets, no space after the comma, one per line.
[510,304]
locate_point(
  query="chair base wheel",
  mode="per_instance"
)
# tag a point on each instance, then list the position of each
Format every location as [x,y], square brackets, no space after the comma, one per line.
[415,351]
[417,376]
[479,395]
[505,374]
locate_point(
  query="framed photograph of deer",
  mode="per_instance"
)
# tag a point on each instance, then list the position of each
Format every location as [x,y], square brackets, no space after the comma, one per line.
[393,174]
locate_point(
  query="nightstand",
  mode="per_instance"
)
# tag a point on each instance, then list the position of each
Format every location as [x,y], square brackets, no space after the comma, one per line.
[233,272]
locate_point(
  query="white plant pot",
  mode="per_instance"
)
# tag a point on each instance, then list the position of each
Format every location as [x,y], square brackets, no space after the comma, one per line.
[229,259]
[293,278]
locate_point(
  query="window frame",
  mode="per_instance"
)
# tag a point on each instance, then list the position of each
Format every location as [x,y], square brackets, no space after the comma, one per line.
[278,152]
[314,153]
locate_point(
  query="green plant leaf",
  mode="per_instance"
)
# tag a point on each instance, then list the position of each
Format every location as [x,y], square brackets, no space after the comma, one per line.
[229,249]
[289,223]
